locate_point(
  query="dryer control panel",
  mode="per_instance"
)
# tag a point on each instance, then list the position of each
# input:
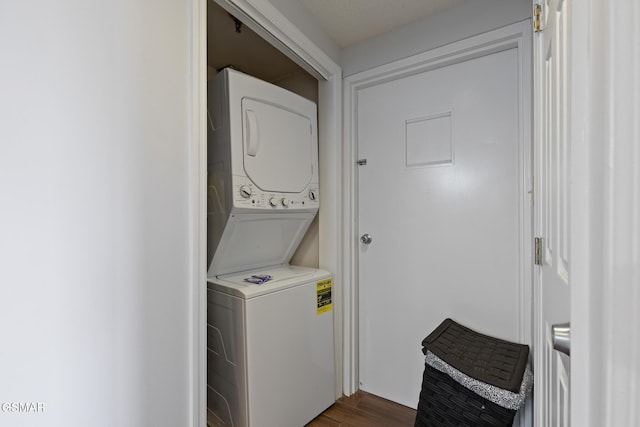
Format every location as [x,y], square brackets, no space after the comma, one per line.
[246,195]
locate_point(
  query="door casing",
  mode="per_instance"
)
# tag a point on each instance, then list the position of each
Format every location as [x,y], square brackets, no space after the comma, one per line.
[605,218]
[512,36]
[267,21]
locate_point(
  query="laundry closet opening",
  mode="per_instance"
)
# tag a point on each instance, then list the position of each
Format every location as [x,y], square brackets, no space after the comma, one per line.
[231,43]
[270,310]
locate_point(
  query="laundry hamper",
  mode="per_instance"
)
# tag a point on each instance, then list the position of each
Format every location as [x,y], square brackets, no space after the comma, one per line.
[471,379]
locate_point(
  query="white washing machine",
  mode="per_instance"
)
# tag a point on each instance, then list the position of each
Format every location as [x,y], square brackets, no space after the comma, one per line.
[270,348]
[270,345]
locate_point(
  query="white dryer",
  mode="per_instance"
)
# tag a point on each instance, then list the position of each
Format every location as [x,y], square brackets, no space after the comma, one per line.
[263,172]
[270,346]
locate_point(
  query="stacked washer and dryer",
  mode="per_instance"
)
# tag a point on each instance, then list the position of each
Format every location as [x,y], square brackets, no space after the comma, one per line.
[270,345]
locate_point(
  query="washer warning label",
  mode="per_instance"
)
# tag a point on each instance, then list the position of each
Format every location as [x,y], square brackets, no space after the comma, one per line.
[323,292]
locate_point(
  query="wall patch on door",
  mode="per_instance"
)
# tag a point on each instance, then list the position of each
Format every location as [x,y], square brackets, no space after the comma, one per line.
[429,140]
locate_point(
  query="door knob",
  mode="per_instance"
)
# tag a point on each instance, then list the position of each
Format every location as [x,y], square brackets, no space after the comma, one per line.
[561,337]
[366,239]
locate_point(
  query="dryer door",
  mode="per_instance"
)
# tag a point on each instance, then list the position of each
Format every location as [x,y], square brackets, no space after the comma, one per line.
[278,146]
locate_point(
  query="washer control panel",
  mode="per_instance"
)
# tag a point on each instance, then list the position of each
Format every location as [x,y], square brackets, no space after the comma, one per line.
[248,196]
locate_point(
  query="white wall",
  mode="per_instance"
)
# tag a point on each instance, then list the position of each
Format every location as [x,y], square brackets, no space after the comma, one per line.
[460,22]
[94,221]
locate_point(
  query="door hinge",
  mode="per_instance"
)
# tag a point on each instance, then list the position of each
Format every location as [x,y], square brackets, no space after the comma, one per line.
[537,18]
[537,250]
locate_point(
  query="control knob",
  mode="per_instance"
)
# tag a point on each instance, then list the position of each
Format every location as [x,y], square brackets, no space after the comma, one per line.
[273,202]
[285,202]
[313,194]
[245,191]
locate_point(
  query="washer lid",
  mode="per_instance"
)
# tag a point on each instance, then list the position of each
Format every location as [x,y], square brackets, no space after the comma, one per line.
[284,277]
[252,241]
[277,145]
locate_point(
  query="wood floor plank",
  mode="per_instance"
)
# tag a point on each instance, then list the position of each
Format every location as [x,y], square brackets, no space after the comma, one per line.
[324,421]
[350,416]
[391,412]
[365,410]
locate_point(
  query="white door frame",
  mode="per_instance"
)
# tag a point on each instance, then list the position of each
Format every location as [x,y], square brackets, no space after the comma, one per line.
[269,23]
[512,36]
[605,221]
[198,226]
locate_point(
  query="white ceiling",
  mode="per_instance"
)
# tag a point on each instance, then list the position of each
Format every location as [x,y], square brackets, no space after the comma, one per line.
[351,21]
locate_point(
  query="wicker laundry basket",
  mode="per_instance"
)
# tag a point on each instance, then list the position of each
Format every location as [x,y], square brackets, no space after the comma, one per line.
[471,379]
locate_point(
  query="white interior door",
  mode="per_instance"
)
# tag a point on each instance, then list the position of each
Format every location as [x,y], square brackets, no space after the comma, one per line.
[442,197]
[552,54]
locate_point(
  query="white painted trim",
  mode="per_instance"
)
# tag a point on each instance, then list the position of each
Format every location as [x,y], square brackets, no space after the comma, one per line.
[525,78]
[538,350]
[621,279]
[350,238]
[525,50]
[613,186]
[512,36]
[198,202]
[269,23]
[330,216]
[584,315]
[605,236]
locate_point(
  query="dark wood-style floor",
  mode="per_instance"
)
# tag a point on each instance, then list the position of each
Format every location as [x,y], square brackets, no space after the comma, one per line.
[360,410]
[365,410]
